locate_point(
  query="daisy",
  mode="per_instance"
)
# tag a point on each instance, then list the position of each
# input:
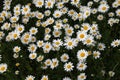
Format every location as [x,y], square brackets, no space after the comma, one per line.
[81,35]
[25,9]
[47,37]
[50,21]
[57,33]
[16,49]
[85,27]
[40,58]
[55,63]
[71,12]
[81,66]
[3,67]
[30,77]
[32,55]
[47,13]
[39,15]
[44,77]
[64,10]
[32,48]
[33,30]
[64,57]
[82,76]
[14,19]
[118,12]
[15,35]
[2,19]
[101,46]
[49,4]
[57,14]
[66,78]
[17,8]
[57,43]
[39,3]
[111,73]
[40,43]
[47,30]
[68,66]
[48,62]
[70,43]
[75,2]
[89,40]
[96,54]
[47,47]
[58,26]
[69,31]
[82,54]
[103,8]
[20,28]
[115,43]
[60,5]
[5,26]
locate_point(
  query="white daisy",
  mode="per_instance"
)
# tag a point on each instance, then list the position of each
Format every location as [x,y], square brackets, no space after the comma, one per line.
[82,76]
[82,54]
[3,67]
[96,54]
[32,55]
[64,57]
[68,66]
[30,77]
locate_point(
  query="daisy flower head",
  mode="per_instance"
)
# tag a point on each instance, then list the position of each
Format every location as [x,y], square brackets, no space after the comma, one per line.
[32,48]
[40,43]
[16,49]
[75,2]
[64,57]
[81,66]
[32,55]
[3,67]
[30,77]
[26,9]
[57,14]
[33,31]
[66,78]
[47,47]
[55,63]
[49,4]
[70,43]
[57,33]
[68,66]
[85,27]
[39,3]
[96,54]
[40,58]
[82,76]
[101,46]
[82,54]
[103,8]
[115,43]
[20,28]
[14,19]
[15,35]
[44,77]
[81,35]
[69,31]
[118,12]
[89,40]
[48,62]
[57,43]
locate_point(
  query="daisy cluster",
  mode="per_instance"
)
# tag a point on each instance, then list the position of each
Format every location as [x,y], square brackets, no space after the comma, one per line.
[57,35]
